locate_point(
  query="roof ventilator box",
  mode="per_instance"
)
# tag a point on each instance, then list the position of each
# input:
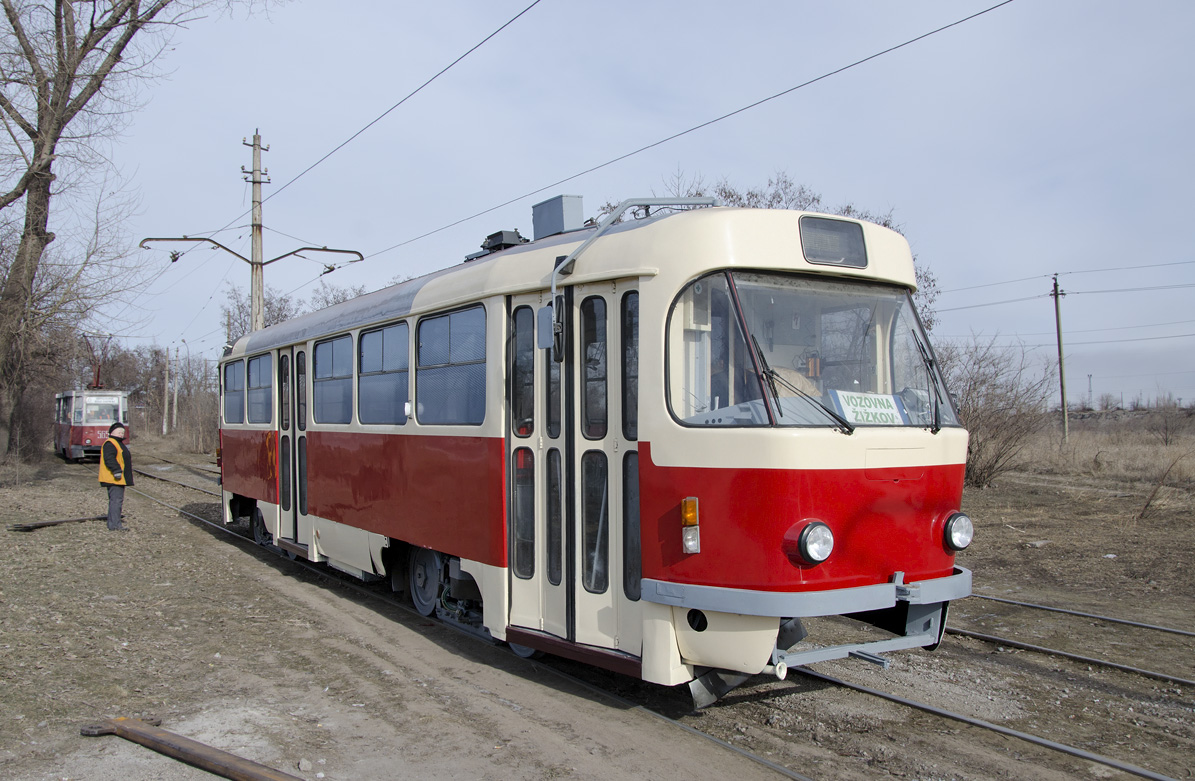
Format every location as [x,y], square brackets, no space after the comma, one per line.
[557,215]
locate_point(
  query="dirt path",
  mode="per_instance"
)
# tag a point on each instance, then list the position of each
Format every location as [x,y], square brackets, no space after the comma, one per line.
[232,648]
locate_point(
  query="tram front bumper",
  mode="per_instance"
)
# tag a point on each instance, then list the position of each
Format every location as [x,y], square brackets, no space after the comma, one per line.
[806,604]
[736,629]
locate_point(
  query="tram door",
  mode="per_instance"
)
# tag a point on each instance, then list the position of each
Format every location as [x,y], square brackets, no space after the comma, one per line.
[293,523]
[573,469]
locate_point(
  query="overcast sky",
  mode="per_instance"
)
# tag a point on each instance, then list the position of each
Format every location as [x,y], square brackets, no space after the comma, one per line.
[1038,138]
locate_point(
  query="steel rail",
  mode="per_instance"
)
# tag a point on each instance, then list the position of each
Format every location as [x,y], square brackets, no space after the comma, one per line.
[211,468]
[1067,655]
[780,769]
[974,722]
[1183,632]
[175,482]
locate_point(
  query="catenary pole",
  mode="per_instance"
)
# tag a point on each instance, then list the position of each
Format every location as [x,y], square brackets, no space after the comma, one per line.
[257,275]
[1058,294]
[166,396]
[177,376]
[257,315]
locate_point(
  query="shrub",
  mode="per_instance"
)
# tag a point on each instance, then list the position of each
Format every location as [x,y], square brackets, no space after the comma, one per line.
[1001,394]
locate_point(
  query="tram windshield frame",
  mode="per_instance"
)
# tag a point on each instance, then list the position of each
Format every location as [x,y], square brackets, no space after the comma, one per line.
[757,348]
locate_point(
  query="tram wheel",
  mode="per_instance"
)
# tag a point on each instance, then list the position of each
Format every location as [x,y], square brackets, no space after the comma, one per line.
[424,569]
[258,525]
[525,652]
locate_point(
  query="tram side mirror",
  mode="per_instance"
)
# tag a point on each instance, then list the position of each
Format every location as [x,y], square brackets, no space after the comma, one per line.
[544,327]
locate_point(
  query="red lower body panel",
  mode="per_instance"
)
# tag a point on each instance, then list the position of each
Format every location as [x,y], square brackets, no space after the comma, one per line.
[446,493]
[883,522]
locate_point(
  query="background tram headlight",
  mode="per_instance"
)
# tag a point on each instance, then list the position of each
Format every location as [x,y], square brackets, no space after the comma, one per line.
[816,542]
[959,531]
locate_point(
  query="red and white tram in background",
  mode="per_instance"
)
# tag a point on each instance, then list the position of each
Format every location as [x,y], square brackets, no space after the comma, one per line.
[82,419]
[730,421]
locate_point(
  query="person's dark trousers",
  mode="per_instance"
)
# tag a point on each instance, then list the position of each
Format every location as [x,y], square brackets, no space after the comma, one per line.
[115,503]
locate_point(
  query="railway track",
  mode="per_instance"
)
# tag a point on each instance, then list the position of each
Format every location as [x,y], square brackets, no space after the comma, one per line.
[375,593]
[640,693]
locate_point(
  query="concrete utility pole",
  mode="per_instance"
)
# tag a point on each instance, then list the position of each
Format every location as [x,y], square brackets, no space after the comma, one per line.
[166,396]
[257,317]
[1058,294]
[177,376]
[257,276]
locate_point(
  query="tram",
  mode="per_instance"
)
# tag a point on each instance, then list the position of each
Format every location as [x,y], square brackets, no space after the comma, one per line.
[82,419]
[654,445]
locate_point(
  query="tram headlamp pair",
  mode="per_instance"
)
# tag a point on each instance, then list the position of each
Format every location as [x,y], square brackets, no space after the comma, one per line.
[959,532]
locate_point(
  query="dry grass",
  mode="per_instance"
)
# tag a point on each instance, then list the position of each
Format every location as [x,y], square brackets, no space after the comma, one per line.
[1117,447]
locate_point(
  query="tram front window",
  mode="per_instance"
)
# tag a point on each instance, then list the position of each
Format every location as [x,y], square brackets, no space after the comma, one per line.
[102,412]
[760,349]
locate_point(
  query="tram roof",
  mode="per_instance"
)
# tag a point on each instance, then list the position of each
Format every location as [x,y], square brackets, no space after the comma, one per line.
[727,234]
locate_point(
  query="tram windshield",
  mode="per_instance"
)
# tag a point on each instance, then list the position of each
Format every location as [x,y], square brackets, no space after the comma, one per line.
[767,349]
[101,411]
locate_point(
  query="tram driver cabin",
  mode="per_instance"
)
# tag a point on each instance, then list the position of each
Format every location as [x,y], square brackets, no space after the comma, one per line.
[656,446]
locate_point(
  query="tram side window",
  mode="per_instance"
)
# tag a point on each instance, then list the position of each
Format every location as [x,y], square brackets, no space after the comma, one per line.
[593,350]
[450,371]
[555,539]
[260,387]
[234,392]
[284,392]
[301,390]
[383,368]
[523,502]
[522,375]
[332,386]
[630,366]
[595,522]
[632,556]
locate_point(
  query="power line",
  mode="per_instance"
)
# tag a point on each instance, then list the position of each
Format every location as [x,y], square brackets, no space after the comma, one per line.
[992,303]
[362,130]
[1131,289]
[1068,273]
[1068,292]
[1102,342]
[693,129]
[416,91]
[1120,341]
[1080,331]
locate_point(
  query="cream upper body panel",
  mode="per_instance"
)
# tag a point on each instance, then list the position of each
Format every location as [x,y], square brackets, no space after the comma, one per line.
[669,251]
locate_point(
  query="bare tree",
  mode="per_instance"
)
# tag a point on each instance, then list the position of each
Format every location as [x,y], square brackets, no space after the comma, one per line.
[67,75]
[1001,394]
[1168,421]
[329,295]
[236,311]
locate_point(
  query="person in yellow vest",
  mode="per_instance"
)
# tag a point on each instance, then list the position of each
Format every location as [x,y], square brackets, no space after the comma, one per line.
[116,472]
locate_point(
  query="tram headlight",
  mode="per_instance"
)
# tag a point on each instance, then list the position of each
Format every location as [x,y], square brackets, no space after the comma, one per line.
[959,531]
[816,542]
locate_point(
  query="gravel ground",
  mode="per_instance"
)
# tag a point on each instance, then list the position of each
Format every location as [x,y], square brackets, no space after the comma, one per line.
[233,647]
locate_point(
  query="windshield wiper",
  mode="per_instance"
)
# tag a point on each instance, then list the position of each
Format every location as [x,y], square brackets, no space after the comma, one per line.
[773,377]
[769,375]
[929,378]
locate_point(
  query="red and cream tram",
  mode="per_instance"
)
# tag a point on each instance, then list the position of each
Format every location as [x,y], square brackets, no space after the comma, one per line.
[731,420]
[82,419]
